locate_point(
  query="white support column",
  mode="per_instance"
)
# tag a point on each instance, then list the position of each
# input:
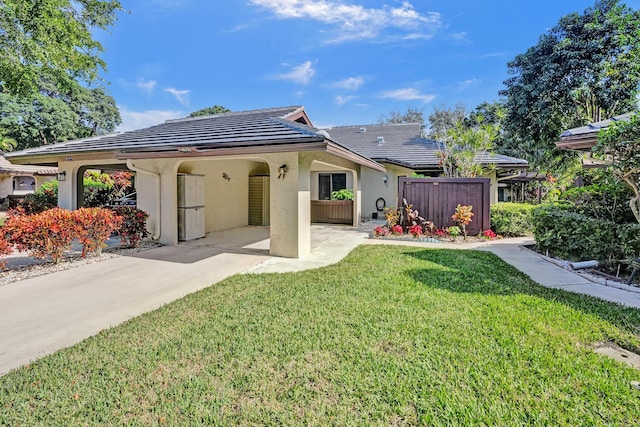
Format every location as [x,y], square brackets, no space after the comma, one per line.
[290,206]
[357,202]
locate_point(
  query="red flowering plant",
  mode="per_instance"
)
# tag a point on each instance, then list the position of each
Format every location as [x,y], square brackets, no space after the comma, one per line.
[380,231]
[397,229]
[489,234]
[415,230]
[48,233]
[96,226]
[133,227]
[439,232]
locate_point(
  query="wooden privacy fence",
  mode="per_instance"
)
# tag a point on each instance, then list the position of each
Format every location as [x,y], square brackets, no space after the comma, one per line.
[437,198]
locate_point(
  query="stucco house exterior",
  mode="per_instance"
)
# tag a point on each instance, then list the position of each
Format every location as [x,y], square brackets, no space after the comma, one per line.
[222,153]
[403,152]
[19,180]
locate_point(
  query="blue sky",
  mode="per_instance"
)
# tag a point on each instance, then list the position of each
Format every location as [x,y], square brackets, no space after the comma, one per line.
[346,61]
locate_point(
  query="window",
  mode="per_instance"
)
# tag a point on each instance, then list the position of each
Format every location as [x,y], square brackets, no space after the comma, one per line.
[330,182]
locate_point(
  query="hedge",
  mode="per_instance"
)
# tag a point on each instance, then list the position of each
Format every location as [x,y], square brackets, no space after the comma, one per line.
[577,237]
[512,219]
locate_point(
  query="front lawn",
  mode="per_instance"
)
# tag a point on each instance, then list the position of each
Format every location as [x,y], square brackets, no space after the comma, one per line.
[389,336]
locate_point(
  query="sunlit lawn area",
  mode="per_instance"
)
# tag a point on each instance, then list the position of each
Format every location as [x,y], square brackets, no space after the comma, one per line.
[390,336]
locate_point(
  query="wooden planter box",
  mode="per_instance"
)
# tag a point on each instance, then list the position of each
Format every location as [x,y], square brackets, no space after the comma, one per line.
[332,211]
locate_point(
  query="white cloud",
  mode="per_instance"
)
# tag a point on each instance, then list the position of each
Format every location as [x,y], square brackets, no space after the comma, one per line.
[180,95]
[356,22]
[146,86]
[133,120]
[352,83]
[300,74]
[408,94]
[341,100]
[468,83]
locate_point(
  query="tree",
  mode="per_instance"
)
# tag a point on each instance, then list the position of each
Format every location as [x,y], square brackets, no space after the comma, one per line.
[412,115]
[582,70]
[52,38]
[462,146]
[51,116]
[444,118]
[620,145]
[216,109]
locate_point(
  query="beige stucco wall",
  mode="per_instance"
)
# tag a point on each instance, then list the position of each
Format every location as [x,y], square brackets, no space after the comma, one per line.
[374,187]
[226,201]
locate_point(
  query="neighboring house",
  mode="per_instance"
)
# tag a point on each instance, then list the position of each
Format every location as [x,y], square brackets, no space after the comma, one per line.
[403,152]
[217,160]
[19,180]
[583,138]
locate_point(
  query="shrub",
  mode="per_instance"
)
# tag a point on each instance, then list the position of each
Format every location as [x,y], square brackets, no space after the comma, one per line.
[392,216]
[463,217]
[577,237]
[415,230]
[45,197]
[512,219]
[133,227]
[6,248]
[602,201]
[454,231]
[380,231]
[96,226]
[47,233]
[344,194]
[397,229]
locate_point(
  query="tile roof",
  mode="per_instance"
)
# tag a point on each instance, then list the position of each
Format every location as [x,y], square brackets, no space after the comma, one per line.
[401,144]
[594,128]
[6,167]
[239,129]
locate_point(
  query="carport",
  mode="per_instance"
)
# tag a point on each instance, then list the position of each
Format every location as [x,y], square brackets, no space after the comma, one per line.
[225,151]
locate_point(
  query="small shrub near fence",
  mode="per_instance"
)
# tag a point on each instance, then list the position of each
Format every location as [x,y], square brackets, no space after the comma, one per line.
[573,236]
[512,219]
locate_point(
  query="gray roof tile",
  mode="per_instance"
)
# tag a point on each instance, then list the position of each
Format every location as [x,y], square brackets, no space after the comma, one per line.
[239,129]
[402,145]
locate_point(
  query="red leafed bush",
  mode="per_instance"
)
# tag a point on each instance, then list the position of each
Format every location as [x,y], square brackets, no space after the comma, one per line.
[5,249]
[95,227]
[47,233]
[133,227]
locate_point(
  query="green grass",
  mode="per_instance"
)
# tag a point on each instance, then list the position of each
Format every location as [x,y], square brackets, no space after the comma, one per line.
[390,336]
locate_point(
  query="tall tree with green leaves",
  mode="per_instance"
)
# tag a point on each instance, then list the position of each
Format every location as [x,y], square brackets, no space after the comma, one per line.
[443,119]
[619,144]
[50,116]
[584,69]
[52,38]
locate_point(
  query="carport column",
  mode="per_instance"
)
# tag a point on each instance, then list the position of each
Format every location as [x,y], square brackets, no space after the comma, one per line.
[290,206]
[357,203]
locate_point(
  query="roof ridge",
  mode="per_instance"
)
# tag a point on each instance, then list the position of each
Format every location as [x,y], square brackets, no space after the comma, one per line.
[374,125]
[295,109]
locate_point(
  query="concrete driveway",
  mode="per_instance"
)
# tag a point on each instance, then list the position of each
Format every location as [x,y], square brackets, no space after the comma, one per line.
[41,315]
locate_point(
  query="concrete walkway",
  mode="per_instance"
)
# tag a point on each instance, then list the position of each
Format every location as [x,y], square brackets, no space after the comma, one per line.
[41,315]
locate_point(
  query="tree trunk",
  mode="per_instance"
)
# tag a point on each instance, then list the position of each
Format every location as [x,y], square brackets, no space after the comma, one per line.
[634,203]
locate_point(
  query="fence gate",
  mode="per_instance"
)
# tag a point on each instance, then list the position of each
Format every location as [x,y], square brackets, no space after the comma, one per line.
[437,198]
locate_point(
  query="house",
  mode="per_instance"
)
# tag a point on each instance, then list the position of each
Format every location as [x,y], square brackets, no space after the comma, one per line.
[260,160]
[583,138]
[403,152]
[19,180]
